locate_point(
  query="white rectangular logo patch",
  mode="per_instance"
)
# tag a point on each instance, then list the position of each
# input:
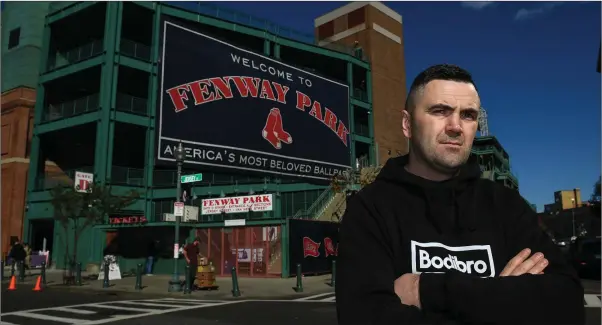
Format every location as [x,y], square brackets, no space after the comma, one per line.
[438,258]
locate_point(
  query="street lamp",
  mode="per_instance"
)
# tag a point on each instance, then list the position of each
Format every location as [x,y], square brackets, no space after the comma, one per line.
[174,283]
[573,213]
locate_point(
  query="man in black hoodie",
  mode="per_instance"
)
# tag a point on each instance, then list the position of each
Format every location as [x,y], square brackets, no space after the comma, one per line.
[430,242]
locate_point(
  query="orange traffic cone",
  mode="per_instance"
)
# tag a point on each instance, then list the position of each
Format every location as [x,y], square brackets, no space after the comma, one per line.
[13,283]
[38,286]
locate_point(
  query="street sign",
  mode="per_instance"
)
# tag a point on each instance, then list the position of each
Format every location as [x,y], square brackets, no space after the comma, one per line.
[83,181]
[178,209]
[191,178]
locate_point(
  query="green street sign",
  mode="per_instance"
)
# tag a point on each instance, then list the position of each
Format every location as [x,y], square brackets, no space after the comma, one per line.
[191,178]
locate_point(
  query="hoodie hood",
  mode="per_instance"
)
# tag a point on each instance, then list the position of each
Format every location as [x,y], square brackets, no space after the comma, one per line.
[444,201]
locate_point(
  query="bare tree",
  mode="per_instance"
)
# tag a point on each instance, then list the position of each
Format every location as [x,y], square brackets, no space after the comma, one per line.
[78,211]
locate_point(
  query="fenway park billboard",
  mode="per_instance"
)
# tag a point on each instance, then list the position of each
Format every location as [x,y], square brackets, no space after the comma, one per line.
[235,109]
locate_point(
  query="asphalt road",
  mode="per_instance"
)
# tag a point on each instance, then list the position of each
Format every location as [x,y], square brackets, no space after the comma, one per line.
[60,306]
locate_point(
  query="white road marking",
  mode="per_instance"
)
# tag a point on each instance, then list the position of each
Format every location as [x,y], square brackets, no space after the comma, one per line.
[189,300]
[187,304]
[48,317]
[75,311]
[592,301]
[141,303]
[157,312]
[107,306]
[315,296]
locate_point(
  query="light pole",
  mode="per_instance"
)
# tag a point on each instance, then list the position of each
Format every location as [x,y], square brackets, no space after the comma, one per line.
[174,284]
[573,213]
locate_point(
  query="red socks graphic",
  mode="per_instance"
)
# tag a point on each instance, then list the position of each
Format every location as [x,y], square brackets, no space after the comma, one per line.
[273,131]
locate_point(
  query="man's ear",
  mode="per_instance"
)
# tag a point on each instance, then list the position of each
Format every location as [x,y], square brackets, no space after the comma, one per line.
[405,123]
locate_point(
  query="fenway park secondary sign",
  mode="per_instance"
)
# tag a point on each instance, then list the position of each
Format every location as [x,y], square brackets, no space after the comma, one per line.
[237,204]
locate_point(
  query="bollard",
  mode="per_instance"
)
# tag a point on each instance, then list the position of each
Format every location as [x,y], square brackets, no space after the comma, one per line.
[105,282]
[43,273]
[235,289]
[334,271]
[187,289]
[22,271]
[138,285]
[299,287]
[78,274]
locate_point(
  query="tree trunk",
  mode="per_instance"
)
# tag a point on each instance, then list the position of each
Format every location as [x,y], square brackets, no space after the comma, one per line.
[76,234]
[67,255]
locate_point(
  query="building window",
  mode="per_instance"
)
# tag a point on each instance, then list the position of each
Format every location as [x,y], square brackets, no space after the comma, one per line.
[13,38]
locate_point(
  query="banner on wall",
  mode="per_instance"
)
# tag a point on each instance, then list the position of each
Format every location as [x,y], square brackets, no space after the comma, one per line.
[314,244]
[236,109]
[237,204]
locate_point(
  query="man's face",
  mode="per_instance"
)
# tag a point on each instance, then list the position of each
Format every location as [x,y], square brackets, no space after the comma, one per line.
[443,124]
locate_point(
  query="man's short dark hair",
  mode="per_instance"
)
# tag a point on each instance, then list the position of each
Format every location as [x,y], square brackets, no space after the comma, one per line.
[449,72]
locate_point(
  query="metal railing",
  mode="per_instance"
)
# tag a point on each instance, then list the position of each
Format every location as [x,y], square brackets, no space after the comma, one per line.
[167,178]
[127,176]
[317,206]
[362,129]
[242,18]
[55,6]
[135,50]
[60,59]
[131,104]
[360,94]
[71,108]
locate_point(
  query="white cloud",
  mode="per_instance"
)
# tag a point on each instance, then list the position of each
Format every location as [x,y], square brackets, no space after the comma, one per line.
[524,13]
[477,5]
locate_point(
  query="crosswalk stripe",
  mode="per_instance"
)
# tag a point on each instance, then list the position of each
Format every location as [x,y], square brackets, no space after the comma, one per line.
[589,300]
[314,296]
[107,306]
[48,317]
[171,304]
[329,299]
[74,311]
[189,300]
[139,303]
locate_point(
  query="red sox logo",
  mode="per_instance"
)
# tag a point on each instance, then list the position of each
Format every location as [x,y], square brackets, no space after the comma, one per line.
[273,131]
[310,247]
[329,247]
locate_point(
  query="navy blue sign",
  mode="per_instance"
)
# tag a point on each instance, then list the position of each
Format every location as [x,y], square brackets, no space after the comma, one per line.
[233,108]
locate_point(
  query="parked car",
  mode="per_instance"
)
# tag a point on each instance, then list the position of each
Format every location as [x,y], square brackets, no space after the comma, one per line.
[585,256]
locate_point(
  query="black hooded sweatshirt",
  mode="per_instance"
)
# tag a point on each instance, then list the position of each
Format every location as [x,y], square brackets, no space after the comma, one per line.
[459,235]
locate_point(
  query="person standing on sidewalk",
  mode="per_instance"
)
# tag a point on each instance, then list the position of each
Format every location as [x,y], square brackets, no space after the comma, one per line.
[191,253]
[150,256]
[17,254]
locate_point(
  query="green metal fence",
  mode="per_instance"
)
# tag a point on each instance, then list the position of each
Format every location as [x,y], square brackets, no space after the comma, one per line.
[242,18]
[127,176]
[131,104]
[60,59]
[136,50]
[71,108]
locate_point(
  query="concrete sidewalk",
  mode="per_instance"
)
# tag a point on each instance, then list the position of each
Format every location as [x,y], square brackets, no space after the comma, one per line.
[261,288]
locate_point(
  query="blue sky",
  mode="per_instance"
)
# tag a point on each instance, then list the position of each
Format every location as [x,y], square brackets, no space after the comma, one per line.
[534,64]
